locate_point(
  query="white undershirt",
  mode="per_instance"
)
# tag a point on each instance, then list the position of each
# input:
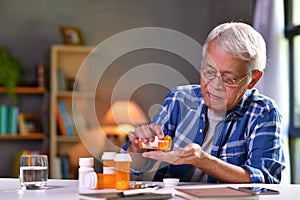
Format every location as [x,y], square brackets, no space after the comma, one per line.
[214,120]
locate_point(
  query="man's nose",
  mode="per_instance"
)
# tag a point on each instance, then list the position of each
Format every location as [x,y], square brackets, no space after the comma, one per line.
[217,82]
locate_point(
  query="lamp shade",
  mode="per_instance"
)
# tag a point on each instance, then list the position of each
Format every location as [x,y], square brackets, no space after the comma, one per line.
[125,112]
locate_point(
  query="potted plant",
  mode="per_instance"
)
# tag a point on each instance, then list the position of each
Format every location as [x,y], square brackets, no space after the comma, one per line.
[10,71]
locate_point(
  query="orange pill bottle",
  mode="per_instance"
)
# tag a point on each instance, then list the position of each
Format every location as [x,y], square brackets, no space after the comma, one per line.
[108,162]
[109,170]
[122,162]
[163,144]
[100,181]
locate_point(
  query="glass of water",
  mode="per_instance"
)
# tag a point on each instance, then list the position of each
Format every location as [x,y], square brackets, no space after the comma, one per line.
[34,171]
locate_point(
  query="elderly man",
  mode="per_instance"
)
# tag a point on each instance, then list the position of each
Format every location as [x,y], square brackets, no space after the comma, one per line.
[223,130]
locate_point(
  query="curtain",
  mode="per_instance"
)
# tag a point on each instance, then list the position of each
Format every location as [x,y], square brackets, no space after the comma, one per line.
[269,21]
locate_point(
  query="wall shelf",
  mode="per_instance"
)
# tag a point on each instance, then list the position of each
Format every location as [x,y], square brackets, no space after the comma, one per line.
[26,90]
[30,136]
[68,139]
[70,94]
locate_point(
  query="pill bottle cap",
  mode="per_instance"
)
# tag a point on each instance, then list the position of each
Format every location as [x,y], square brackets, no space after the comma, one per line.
[108,155]
[86,162]
[123,157]
[170,182]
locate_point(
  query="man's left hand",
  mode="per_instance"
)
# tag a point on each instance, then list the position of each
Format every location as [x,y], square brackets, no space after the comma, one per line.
[190,154]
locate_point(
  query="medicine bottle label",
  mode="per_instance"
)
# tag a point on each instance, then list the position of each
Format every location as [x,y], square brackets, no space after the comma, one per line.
[109,170]
[164,144]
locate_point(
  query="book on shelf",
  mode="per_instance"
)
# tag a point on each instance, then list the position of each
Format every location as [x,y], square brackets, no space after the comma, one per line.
[62,167]
[65,167]
[58,168]
[13,113]
[214,193]
[68,118]
[64,123]
[79,119]
[118,195]
[61,79]
[8,120]
[3,119]
[69,110]
[60,121]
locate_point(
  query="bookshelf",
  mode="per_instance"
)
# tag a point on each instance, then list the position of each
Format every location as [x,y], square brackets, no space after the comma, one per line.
[21,136]
[66,60]
[33,100]
[25,91]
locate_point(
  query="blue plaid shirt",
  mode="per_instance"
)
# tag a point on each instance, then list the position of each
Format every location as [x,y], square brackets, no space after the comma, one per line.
[250,136]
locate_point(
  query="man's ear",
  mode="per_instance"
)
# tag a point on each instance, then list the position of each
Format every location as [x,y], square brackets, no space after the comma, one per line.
[256,75]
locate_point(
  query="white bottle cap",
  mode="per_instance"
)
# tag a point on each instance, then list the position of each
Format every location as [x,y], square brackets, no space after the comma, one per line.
[86,162]
[123,157]
[108,155]
[170,182]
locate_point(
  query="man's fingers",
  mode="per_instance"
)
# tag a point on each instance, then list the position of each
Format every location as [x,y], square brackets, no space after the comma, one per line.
[156,130]
[132,137]
[169,157]
[145,133]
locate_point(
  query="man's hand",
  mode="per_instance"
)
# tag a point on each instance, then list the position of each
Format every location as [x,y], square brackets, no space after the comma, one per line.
[193,154]
[145,132]
[190,154]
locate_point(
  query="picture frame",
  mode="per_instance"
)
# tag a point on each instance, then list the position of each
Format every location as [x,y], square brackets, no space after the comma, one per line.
[71,35]
[29,123]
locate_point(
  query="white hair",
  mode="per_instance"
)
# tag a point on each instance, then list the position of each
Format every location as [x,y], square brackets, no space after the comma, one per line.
[241,41]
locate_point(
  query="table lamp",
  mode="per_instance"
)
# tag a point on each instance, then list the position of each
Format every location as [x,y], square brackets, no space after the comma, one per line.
[122,117]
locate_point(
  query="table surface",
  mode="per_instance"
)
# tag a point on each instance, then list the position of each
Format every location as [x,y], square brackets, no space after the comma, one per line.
[68,189]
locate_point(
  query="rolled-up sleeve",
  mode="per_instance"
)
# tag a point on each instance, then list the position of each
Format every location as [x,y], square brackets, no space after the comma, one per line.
[265,149]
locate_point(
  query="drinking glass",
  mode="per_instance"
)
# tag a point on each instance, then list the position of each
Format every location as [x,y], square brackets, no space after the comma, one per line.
[33,171]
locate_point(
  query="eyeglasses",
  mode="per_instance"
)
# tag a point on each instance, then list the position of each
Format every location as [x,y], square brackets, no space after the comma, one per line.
[228,81]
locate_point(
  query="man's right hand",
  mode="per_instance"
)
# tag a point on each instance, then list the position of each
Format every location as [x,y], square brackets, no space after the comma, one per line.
[146,133]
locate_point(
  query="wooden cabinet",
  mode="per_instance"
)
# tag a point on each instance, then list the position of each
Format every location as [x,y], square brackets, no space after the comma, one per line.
[65,61]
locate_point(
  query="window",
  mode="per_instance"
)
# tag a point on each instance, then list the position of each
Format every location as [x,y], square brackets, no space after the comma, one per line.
[295,12]
[296,80]
[292,32]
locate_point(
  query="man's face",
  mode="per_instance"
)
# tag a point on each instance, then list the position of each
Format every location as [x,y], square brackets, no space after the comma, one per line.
[218,72]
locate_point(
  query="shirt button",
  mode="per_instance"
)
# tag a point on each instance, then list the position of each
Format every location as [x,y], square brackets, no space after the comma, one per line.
[200,130]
